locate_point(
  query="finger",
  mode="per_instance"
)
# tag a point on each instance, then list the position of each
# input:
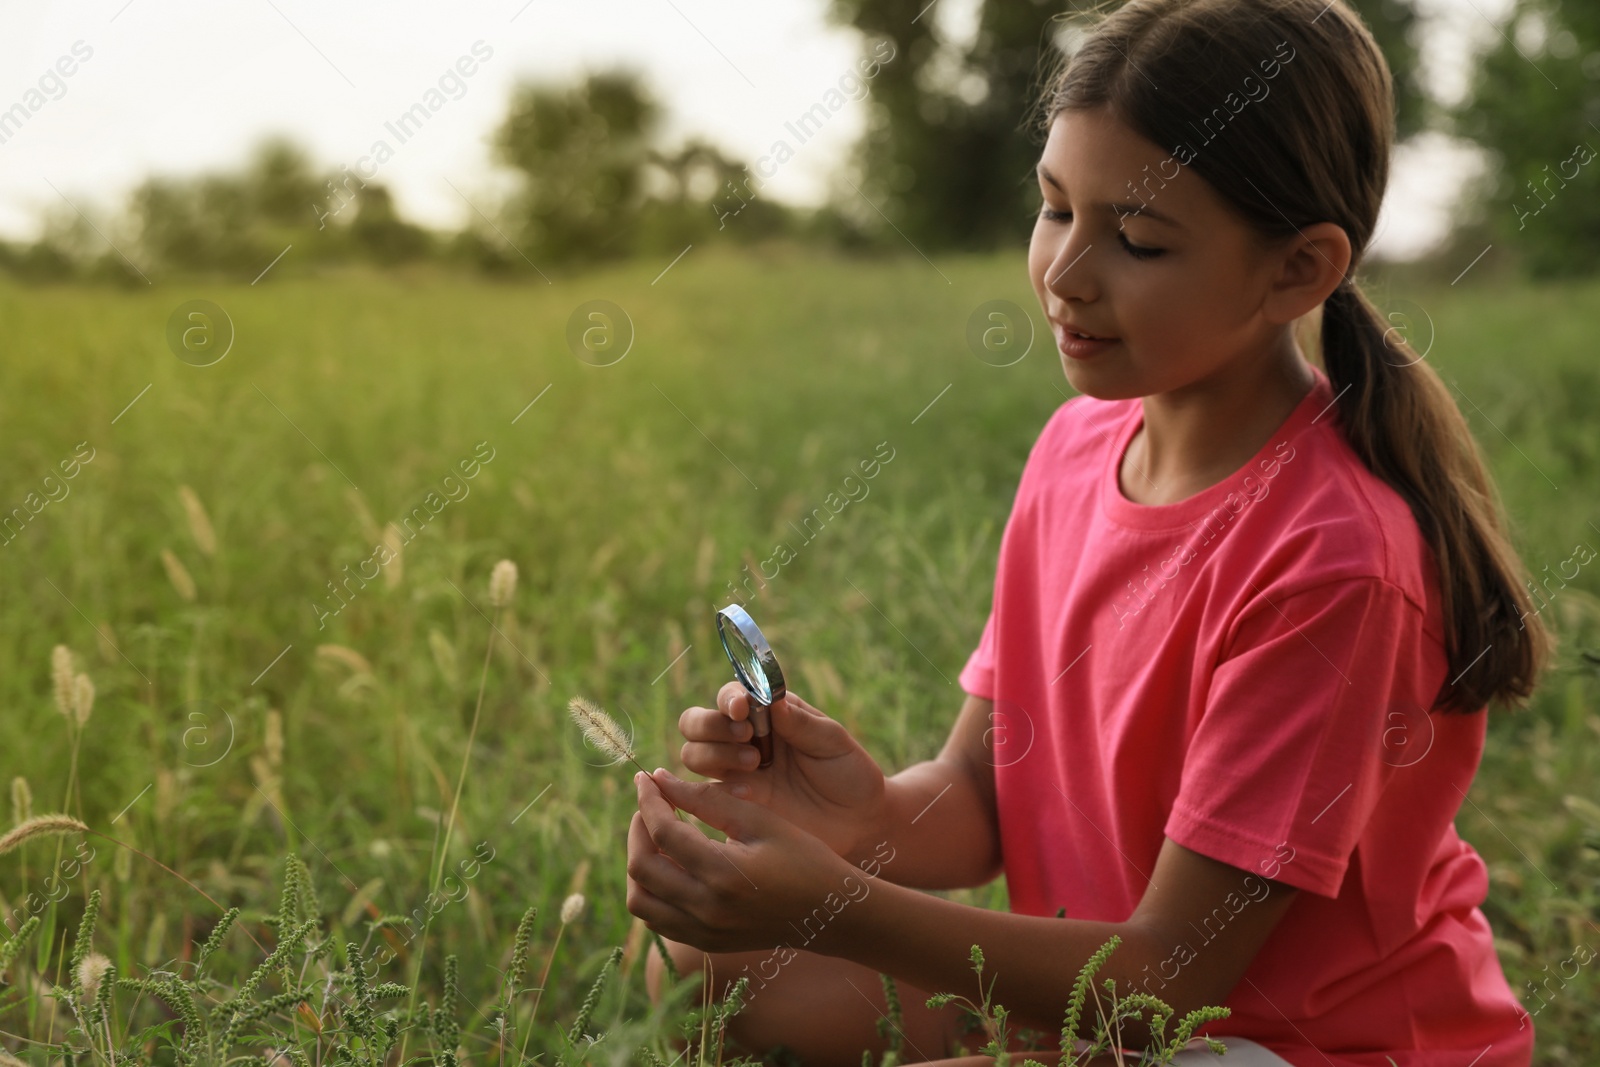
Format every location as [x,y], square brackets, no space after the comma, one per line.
[657,873]
[680,842]
[809,730]
[640,843]
[718,760]
[710,802]
[733,701]
[664,918]
[712,724]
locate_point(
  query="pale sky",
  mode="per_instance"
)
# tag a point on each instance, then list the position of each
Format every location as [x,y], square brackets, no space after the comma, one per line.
[184,86]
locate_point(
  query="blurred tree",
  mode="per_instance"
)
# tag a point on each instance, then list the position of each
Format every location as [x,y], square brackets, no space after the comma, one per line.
[945,153]
[380,234]
[280,185]
[582,152]
[948,155]
[699,194]
[38,262]
[1534,105]
[596,186]
[237,222]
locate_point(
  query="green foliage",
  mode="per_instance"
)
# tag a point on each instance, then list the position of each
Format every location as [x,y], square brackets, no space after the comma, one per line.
[892,1024]
[581,1024]
[218,933]
[1533,105]
[16,943]
[1108,1027]
[950,156]
[597,185]
[582,151]
[946,152]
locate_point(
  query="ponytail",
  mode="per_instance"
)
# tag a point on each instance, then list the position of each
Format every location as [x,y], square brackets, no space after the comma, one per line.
[1405,426]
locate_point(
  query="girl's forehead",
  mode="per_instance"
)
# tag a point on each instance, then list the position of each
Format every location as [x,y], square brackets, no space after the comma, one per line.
[1097,139]
[1093,156]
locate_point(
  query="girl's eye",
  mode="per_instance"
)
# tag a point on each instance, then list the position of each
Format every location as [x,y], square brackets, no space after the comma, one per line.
[1049,214]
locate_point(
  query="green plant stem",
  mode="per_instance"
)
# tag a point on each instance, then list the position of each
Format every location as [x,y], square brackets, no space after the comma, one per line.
[450,823]
[466,757]
[72,769]
[522,1053]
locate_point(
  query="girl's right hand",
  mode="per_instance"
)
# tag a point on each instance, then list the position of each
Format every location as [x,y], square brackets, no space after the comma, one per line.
[820,779]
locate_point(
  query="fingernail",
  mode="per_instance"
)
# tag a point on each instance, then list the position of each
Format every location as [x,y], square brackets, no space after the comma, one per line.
[668,775]
[740,790]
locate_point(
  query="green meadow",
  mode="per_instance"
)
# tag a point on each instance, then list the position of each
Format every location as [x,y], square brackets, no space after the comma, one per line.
[251,703]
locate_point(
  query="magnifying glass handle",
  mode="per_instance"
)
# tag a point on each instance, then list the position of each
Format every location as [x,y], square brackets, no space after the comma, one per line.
[761,722]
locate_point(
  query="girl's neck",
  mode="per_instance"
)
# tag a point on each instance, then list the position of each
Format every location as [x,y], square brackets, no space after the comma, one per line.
[1194,437]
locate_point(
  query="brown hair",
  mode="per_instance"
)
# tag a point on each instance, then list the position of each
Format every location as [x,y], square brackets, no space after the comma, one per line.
[1314,146]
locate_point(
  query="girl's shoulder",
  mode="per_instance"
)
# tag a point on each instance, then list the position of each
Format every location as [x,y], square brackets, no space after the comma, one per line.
[1339,520]
[1306,511]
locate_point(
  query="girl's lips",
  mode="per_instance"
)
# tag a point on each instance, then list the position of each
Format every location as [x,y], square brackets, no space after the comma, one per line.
[1077,347]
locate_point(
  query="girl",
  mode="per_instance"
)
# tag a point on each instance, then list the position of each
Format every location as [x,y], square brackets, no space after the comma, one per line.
[1248,616]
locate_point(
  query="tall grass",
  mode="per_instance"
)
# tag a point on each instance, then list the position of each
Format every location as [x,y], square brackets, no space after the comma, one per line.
[628,496]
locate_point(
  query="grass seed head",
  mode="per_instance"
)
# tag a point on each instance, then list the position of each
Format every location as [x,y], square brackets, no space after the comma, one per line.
[40,826]
[82,698]
[274,740]
[363,514]
[61,675]
[345,655]
[444,657]
[21,801]
[205,538]
[602,731]
[393,569]
[91,969]
[503,584]
[178,575]
[571,908]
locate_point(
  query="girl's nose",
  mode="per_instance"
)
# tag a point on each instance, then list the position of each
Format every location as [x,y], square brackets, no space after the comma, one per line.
[1070,273]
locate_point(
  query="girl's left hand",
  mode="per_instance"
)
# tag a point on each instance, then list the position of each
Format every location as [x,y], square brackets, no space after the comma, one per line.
[733,895]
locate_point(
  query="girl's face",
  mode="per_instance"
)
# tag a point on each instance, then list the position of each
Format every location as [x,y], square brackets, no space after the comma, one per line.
[1133,246]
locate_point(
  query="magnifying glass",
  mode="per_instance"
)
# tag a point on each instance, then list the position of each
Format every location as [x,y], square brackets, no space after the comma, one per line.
[757,669]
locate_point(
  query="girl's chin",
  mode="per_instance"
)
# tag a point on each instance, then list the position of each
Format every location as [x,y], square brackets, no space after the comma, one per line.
[1088,380]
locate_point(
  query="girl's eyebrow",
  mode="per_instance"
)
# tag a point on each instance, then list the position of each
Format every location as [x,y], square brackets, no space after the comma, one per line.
[1122,209]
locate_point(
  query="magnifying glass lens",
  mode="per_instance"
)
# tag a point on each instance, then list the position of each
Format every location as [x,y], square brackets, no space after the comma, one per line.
[748,664]
[757,669]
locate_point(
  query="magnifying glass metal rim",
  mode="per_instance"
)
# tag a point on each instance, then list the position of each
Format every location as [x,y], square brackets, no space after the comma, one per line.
[750,633]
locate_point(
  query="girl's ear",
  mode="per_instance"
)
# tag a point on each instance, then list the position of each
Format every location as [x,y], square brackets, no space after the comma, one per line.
[1310,266]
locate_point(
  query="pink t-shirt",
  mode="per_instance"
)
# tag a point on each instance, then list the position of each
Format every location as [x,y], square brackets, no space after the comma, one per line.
[1248,672]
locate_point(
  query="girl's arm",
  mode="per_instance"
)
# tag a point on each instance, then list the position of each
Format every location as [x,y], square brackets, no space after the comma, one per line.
[1032,961]
[770,883]
[938,818]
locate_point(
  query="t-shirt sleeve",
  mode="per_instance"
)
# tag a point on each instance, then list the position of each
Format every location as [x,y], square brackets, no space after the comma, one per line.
[1287,762]
[977,677]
